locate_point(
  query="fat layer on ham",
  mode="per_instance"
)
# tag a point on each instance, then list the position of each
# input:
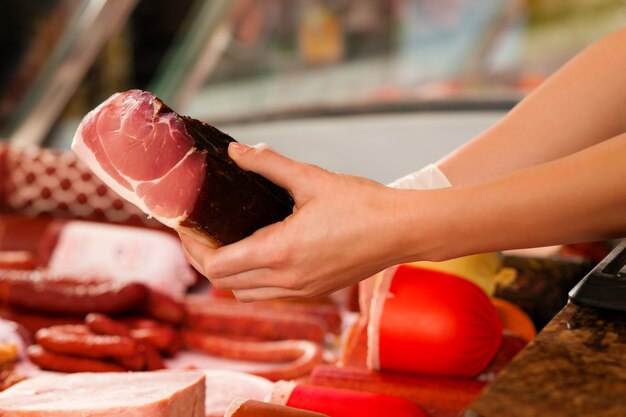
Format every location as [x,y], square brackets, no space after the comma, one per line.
[176,169]
[135,394]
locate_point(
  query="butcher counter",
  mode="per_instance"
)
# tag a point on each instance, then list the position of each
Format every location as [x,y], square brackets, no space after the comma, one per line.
[576,366]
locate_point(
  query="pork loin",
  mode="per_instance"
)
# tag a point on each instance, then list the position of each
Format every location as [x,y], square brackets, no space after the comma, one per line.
[136,394]
[176,169]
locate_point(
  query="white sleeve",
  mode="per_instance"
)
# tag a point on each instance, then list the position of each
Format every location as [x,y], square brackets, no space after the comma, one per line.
[427,178]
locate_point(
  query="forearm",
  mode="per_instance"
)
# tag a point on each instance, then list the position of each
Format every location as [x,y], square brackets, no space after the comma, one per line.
[582,104]
[581,197]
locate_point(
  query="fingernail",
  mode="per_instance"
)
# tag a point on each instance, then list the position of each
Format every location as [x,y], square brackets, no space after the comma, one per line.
[239,148]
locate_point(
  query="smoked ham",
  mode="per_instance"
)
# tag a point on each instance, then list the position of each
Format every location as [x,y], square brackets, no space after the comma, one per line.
[176,169]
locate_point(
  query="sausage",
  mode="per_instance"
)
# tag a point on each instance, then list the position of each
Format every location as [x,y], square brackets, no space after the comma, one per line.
[164,338]
[22,260]
[79,340]
[327,313]
[104,325]
[164,308]
[294,358]
[40,290]
[235,320]
[154,362]
[240,407]
[19,232]
[135,362]
[34,321]
[434,394]
[63,363]
[338,402]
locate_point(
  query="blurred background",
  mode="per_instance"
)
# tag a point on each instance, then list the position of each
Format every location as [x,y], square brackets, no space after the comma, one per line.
[376,88]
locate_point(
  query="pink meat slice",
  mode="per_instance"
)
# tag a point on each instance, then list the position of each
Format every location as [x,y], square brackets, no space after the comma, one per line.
[135,394]
[145,156]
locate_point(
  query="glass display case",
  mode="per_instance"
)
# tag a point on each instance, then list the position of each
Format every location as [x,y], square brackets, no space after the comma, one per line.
[239,61]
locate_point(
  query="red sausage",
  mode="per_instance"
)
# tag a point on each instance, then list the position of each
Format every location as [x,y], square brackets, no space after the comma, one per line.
[251,408]
[104,325]
[164,308]
[80,341]
[42,291]
[294,358]
[239,320]
[63,363]
[22,260]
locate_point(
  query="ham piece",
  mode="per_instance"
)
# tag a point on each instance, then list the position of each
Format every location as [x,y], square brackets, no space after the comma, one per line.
[176,169]
[136,394]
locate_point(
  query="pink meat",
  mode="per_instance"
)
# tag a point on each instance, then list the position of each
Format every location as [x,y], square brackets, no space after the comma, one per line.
[177,169]
[137,394]
[145,156]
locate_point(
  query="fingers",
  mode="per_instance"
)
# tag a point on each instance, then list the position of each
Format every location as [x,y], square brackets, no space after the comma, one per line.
[261,159]
[251,253]
[265,294]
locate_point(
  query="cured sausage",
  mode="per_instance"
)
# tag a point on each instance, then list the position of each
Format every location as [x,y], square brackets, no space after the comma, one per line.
[23,260]
[294,358]
[164,308]
[342,402]
[52,361]
[327,313]
[101,324]
[430,322]
[135,362]
[43,291]
[79,340]
[235,320]
[241,407]
[150,358]
[434,394]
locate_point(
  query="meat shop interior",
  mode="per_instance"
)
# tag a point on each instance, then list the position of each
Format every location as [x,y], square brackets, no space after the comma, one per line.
[104,248]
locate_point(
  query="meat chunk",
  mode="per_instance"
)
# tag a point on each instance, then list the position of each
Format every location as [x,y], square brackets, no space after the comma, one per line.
[176,169]
[137,394]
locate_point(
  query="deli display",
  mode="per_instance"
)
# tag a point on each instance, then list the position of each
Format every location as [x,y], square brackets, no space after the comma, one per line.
[95,294]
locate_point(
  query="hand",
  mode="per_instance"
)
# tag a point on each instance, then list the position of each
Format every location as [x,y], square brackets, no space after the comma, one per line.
[343,229]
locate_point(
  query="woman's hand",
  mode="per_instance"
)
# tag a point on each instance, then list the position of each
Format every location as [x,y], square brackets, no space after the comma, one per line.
[342,230]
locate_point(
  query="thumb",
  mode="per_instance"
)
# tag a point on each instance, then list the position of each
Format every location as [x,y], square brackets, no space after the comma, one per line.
[262,160]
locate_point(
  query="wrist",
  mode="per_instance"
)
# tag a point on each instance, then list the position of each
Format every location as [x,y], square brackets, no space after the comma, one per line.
[423,226]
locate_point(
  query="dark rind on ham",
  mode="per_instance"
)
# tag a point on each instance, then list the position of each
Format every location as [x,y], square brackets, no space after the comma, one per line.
[4,175]
[232,203]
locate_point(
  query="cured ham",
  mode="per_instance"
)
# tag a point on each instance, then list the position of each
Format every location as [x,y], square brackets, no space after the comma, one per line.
[136,394]
[176,169]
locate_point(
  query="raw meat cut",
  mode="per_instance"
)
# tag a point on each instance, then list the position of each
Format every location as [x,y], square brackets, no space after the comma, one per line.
[176,169]
[135,394]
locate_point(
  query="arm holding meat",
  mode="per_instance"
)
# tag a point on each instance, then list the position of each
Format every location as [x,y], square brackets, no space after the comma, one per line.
[345,228]
[581,105]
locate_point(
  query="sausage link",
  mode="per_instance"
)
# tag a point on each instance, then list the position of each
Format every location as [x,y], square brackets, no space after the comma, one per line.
[294,358]
[104,325]
[240,407]
[235,320]
[164,308]
[52,361]
[79,340]
[22,260]
[41,290]
[135,362]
